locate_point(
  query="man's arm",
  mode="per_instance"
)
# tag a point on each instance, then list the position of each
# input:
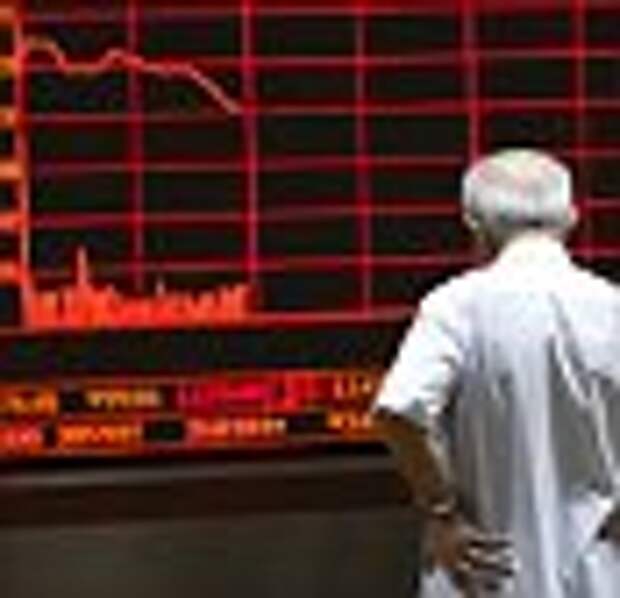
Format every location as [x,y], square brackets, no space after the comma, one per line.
[471,558]
[411,402]
[420,461]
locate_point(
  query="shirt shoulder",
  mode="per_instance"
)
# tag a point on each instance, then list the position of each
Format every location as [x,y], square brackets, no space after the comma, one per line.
[597,283]
[457,293]
[431,354]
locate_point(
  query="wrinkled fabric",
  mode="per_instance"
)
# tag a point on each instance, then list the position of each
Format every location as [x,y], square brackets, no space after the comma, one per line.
[515,366]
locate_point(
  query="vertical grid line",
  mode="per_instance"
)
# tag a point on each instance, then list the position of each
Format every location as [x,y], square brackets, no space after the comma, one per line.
[363,150]
[250,129]
[581,187]
[135,150]
[469,31]
[22,151]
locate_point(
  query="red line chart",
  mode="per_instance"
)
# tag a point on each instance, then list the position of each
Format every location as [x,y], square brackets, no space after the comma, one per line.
[119,57]
[336,143]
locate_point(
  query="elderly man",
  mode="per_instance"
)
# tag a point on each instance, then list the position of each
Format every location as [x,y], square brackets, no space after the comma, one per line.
[503,404]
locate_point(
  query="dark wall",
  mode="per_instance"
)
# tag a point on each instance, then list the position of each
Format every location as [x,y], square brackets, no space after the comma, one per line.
[363,554]
[303,529]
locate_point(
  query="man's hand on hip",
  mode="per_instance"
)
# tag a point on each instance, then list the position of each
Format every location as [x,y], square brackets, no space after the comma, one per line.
[473,560]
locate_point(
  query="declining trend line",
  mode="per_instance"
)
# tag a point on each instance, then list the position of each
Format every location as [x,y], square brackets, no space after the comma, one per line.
[119,56]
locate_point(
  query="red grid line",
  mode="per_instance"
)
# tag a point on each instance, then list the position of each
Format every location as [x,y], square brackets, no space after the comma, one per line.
[470,58]
[581,137]
[326,263]
[336,210]
[283,163]
[376,7]
[135,149]
[599,252]
[472,92]
[252,148]
[268,216]
[63,169]
[115,60]
[362,143]
[404,108]
[22,151]
[323,263]
[594,204]
[315,163]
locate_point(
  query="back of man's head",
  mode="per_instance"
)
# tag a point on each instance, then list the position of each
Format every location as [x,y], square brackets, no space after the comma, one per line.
[515,191]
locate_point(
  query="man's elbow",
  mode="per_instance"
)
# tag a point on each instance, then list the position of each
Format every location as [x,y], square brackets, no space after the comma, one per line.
[393,426]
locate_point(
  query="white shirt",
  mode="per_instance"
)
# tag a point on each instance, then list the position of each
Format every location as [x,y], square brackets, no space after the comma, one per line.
[517,366]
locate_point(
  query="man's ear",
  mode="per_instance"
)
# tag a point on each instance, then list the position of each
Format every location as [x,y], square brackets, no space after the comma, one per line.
[471,224]
[574,216]
[477,231]
[485,245]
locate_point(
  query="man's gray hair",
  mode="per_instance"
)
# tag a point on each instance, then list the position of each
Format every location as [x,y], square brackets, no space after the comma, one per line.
[516,190]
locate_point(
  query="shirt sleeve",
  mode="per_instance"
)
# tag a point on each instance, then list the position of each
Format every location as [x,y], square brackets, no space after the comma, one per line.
[422,378]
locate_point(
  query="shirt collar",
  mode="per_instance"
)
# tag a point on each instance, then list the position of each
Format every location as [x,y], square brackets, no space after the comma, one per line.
[535,249]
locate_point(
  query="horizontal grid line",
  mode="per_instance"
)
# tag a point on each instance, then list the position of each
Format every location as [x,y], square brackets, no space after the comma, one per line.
[167,13]
[310,163]
[324,263]
[282,164]
[598,252]
[392,109]
[595,204]
[451,57]
[397,8]
[47,221]
[411,207]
